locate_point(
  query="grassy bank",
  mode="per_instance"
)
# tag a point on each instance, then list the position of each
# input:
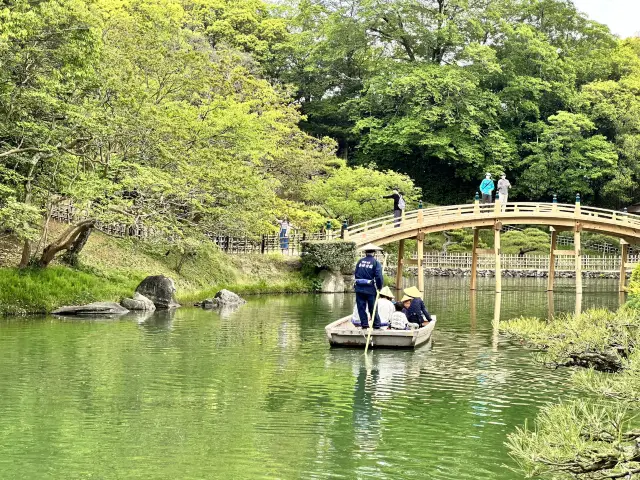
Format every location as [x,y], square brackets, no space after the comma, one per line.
[111,268]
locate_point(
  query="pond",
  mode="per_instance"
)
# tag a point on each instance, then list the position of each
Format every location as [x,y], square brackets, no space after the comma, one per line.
[257,393]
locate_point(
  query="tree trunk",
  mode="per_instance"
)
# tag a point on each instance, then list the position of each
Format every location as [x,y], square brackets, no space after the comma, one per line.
[71,255]
[70,237]
[26,254]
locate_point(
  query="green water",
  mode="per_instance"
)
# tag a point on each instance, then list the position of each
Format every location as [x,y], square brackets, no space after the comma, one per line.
[259,394]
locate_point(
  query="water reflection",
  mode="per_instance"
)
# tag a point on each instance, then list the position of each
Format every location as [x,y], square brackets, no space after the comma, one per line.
[262,394]
[154,322]
[497,306]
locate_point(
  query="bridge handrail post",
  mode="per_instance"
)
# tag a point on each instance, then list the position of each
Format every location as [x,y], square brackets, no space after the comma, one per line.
[497,207]
[577,209]
[476,204]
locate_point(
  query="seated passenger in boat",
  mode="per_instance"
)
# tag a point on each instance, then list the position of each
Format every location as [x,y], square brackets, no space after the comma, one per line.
[355,317]
[416,312]
[399,319]
[385,306]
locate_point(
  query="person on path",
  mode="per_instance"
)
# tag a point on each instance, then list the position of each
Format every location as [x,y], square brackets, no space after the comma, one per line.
[416,312]
[368,282]
[486,188]
[285,227]
[398,205]
[385,306]
[503,191]
[399,319]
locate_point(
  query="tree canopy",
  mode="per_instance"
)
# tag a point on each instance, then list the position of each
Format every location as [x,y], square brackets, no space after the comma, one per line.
[156,113]
[444,90]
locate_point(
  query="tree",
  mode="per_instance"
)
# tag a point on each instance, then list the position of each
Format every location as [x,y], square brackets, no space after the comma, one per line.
[355,194]
[593,437]
[151,113]
[443,90]
[525,241]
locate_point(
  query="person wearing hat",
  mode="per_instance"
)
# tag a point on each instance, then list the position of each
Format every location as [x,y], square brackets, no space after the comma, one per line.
[368,281]
[486,188]
[399,319]
[503,190]
[385,306]
[416,311]
[398,206]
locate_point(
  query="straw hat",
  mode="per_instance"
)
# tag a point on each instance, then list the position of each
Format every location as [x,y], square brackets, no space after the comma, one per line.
[386,292]
[412,292]
[369,247]
[405,298]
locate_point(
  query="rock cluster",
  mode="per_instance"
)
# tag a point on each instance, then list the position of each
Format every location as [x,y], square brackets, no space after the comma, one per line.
[335,282]
[160,290]
[138,302]
[224,298]
[153,292]
[92,309]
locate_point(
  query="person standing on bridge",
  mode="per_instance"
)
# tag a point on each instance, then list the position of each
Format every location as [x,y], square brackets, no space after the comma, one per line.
[398,206]
[503,191]
[486,188]
[368,282]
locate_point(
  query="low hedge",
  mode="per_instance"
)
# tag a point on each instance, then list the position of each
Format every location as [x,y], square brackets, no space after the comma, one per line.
[334,255]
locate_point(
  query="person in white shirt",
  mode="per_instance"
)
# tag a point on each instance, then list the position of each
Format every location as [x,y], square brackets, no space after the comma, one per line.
[503,191]
[399,319]
[385,306]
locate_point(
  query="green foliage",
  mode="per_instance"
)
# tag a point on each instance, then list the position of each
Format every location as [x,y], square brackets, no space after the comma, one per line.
[41,291]
[355,194]
[595,437]
[151,112]
[462,241]
[337,256]
[578,439]
[598,338]
[528,240]
[531,87]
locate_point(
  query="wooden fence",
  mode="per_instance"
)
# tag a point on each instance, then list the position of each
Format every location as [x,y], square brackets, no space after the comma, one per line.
[526,262]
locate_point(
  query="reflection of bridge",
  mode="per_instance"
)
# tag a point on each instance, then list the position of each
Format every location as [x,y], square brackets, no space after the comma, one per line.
[560,217]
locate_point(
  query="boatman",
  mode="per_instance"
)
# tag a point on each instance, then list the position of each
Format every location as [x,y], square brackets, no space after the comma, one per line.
[368,282]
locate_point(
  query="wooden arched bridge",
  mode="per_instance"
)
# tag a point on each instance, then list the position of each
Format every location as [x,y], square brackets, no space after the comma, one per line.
[560,217]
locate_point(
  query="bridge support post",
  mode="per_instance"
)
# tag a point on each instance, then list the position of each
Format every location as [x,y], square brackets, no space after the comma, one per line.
[623,265]
[552,260]
[496,245]
[420,262]
[578,251]
[400,265]
[474,260]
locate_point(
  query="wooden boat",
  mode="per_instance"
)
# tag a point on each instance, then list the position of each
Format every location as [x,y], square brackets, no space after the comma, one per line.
[342,333]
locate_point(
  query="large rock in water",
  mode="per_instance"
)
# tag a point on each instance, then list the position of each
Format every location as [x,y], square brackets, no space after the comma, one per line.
[160,290]
[138,302]
[224,298]
[332,282]
[92,310]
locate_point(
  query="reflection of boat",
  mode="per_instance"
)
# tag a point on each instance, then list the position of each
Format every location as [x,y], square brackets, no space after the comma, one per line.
[342,333]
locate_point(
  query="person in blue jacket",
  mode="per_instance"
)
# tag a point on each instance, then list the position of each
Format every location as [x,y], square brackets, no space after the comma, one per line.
[416,312]
[368,281]
[486,188]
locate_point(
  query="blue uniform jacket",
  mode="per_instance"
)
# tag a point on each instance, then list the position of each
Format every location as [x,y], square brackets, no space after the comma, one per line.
[368,268]
[416,310]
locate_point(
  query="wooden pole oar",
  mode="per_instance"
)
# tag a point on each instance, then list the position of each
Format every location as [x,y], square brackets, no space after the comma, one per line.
[373,316]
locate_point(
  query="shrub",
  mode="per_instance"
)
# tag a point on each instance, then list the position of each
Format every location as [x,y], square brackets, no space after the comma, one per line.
[334,255]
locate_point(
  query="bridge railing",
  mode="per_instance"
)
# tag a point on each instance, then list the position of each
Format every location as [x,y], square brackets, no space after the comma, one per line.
[458,213]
